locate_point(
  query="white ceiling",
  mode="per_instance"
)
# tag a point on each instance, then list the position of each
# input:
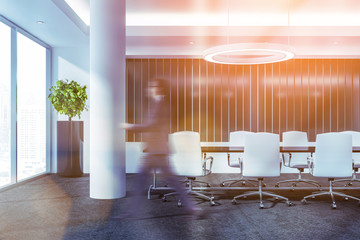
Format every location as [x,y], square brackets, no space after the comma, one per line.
[321,28]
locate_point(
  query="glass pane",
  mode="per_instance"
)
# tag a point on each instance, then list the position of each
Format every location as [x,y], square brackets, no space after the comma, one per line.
[5,106]
[31,108]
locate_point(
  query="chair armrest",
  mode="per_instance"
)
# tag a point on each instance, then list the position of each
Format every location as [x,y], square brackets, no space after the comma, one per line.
[240,164]
[286,159]
[310,161]
[204,164]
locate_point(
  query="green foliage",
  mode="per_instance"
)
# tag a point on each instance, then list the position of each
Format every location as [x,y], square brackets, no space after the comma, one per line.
[68,98]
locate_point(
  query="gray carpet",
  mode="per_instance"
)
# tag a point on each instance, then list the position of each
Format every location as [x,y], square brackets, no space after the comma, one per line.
[51,207]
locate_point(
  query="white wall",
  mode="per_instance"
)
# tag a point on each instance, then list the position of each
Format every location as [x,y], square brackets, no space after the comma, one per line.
[74,64]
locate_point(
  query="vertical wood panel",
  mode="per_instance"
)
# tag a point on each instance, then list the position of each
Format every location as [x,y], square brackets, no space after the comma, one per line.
[261,95]
[217,104]
[290,110]
[239,72]
[302,96]
[269,98]
[327,95]
[312,95]
[341,95]
[173,95]
[312,100]
[276,98]
[210,106]
[348,94]
[232,101]
[247,98]
[224,102]
[356,93]
[131,97]
[203,101]
[196,84]
[283,121]
[188,90]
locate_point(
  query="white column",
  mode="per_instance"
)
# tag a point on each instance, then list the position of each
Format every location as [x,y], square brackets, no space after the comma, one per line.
[107,99]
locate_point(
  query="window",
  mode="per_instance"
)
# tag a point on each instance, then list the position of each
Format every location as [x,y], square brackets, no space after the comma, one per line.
[31,107]
[24,119]
[5,106]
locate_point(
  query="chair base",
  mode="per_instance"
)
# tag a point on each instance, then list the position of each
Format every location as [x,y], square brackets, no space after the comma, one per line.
[299,180]
[261,194]
[296,181]
[331,193]
[241,180]
[191,191]
[350,180]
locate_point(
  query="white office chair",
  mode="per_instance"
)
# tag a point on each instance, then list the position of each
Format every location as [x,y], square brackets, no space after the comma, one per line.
[236,139]
[261,159]
[332,158]
[296,160]
[186,160]
[355,157]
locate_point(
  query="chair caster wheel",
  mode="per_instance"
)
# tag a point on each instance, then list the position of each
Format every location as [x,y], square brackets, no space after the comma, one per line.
[346,198]
[276,185]
[261,206]
[333,206]
[289,204]
[234,202]
[303,201]
[222,185]
[212,203]
[179,204]
[164,199]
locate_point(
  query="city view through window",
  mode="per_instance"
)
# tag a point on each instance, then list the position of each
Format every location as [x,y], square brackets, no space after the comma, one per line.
[30,107]
[5,105]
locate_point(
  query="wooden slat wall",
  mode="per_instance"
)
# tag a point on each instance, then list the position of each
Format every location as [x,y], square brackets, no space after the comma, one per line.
[311,95]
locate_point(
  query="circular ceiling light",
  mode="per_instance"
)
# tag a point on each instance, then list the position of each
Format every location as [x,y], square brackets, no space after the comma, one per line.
[248,53]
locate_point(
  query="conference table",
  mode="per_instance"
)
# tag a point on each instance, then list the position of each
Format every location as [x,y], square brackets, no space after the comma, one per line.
[283,149]
[229,149]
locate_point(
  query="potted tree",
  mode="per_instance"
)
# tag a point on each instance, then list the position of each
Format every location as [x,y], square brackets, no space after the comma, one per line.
[69,98]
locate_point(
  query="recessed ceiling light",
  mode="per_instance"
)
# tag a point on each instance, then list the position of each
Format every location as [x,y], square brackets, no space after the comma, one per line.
[191,42]
[40,22]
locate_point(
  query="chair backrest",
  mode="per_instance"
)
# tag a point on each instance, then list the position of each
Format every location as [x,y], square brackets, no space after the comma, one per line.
[333,155]
[296,138]
[186,157]
[355,137]
[261,155]
[237,138]
[355,142]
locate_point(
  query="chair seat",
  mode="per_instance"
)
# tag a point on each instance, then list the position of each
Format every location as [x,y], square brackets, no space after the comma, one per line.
[299,166]
[234,164]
